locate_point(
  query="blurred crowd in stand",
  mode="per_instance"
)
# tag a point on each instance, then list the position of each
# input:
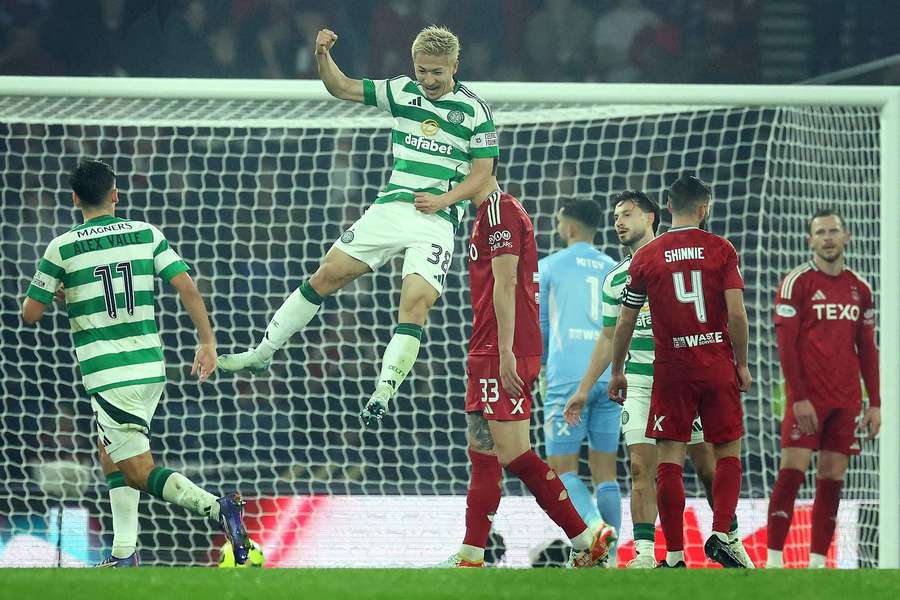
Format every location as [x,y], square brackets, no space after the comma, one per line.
[702,41]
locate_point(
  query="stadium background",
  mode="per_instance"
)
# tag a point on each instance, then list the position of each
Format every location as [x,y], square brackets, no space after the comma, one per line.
[671,41]
[291,444]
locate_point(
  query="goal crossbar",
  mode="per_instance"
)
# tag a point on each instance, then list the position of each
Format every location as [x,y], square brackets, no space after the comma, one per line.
[492,91]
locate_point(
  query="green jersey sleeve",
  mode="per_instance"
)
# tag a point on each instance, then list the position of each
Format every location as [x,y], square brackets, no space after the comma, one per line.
[380,92]
[166,262]
[48,275]
[612,299]
[484,142]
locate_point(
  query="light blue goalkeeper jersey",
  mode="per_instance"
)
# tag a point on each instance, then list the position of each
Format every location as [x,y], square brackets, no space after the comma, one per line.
[571,311]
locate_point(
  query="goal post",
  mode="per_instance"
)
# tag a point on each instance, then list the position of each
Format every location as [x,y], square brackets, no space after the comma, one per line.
[252,181]
[889,334]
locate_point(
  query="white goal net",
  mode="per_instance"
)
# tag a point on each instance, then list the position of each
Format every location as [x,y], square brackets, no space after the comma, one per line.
[252,193]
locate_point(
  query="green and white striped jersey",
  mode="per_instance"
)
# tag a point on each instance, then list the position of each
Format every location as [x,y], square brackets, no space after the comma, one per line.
[639,365]
[433,141]
[107,266]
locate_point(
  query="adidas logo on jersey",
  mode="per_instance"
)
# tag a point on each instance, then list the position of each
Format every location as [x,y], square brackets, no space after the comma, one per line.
[819,295]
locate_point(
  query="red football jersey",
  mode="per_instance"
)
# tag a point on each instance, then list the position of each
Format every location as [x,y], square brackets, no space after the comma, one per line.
[826,337]
[502,227]
[684,273]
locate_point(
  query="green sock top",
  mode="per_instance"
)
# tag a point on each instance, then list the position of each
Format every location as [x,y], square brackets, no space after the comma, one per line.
[309,293]
[116,480]
[645,531]
[410,329]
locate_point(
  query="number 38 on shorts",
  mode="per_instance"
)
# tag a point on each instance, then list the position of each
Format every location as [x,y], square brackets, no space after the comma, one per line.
[485,393]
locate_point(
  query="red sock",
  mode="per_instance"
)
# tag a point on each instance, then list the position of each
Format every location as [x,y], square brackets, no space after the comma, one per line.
[726,489]
[824,514]
[483,497]
[781,506]
[670,500]
[549,492]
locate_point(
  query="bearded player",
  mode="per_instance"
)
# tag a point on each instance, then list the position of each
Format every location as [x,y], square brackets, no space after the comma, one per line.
[825,325]
[444,143]
[504,362]
[636,221]
[700,332]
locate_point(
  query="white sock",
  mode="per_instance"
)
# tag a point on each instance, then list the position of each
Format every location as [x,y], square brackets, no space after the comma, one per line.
[400,355]
[124,502]
[181,491]
[673,558]
[471,553]
[644,547]
[816,561]
[774,560]
[583,540]
[293,315]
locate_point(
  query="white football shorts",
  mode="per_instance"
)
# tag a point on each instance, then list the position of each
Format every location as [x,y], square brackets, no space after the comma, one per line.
[123,418]
[386,230]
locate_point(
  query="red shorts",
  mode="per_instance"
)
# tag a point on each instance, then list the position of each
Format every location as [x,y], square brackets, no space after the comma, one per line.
[836,433]
[485,393]
[675,405]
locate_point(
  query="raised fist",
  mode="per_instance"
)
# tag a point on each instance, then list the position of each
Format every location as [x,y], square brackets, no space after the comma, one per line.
[325,39]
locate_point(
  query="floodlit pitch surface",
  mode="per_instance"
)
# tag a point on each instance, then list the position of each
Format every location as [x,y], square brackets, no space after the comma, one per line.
[540,584]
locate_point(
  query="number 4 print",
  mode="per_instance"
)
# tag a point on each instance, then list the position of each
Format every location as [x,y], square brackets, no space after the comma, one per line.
[695,296]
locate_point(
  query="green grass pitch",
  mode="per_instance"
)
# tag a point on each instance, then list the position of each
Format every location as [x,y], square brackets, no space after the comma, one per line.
[394,584]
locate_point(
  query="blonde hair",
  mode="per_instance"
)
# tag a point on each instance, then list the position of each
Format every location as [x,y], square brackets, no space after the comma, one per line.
[436,40]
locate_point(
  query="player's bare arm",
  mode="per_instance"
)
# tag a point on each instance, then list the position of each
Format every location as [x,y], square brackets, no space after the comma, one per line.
[338,85]
[618,385]
[32,310]
[475,181]
[805,415]
[871,422]
[205,358]
[600,359]
[504,268]
[739,330]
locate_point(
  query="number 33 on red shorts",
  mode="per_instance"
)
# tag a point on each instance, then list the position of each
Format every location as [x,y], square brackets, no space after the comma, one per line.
[485,393]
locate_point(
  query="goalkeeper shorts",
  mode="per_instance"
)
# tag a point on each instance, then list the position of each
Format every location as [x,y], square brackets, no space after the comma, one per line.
[599,422]
[386,230]
[123,418]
